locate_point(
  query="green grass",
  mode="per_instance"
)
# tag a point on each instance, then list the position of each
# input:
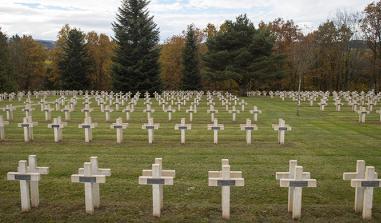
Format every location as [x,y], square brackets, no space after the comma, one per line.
[324,143]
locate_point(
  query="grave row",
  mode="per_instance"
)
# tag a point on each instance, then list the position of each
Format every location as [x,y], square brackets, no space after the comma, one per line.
[58,125]
[364,180]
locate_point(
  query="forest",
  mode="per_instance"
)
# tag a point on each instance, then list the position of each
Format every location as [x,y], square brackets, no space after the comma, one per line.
[343,53]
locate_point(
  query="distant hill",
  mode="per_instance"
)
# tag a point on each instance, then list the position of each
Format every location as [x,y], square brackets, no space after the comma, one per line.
[48,44]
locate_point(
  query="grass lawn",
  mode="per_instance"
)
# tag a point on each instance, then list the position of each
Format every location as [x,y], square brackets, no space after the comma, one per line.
[325,143]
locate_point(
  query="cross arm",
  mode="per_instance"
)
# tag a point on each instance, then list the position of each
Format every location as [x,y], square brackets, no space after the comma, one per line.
[164,173]
[100,171]
[218,174]
[286,175]
[40,170]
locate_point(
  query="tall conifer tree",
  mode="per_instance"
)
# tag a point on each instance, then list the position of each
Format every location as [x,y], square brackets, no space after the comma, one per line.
[135,65]
[191,79]
[75,64]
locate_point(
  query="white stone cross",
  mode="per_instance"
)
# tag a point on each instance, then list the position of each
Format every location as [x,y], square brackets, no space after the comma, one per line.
[95,186]
[212,112]
[183,127]
[28,125]
[242,103]
[179,103]
[28,110]
[90,179]
[215,127]
[359,193]
[128,110]
[225,179]
[87,110]
[119,126]
[296,183]
[57,127]
[29,176]
[9,111]
[169,110]
[88,126]
[107,112]
[234,113]
[33,168]
[48,112]
[42,104]
[362,114]
[66,112]
[368,183]
[291,175]
[2,127]
[157,178]
[249,128]
[255,113]
[191,110]
[148,110]
[338,104]
[150,126]
[281,127]
[322,104]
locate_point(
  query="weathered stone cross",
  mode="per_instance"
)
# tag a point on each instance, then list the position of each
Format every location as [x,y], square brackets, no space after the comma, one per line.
[296,184]
[281,127]
[119,126]
[362,114]
[88,126]
[57,127]
[215,127]
[212,112]
[28,125]
[2,127]
[150,126]
[169,110]
[183,127]
[128,110]
[249,128]
[29,176]
[91,176]
[225,179]
[255,113]
[234,113]
[157,177]
[9,111]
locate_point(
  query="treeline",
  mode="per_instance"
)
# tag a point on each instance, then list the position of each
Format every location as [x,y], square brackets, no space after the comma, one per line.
[78,61]
[343,53]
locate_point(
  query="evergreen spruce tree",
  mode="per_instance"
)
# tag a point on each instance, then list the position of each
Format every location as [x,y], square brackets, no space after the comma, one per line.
[74,65]
[135,65]
[6,77]
[191,79]
[241,53]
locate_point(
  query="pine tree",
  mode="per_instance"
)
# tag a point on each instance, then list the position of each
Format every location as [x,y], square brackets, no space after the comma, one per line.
[242,53]
[191,79]
[75,65]
[135,65]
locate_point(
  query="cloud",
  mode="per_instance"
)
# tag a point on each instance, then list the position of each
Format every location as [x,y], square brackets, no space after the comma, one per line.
[43,18]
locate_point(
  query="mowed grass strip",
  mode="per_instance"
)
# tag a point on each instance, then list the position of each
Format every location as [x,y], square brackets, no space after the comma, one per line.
[325,143]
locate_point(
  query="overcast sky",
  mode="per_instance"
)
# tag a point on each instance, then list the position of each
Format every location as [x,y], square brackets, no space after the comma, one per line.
[43,18]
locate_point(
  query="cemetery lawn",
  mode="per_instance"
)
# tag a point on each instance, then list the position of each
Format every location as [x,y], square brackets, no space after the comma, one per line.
[325,143]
